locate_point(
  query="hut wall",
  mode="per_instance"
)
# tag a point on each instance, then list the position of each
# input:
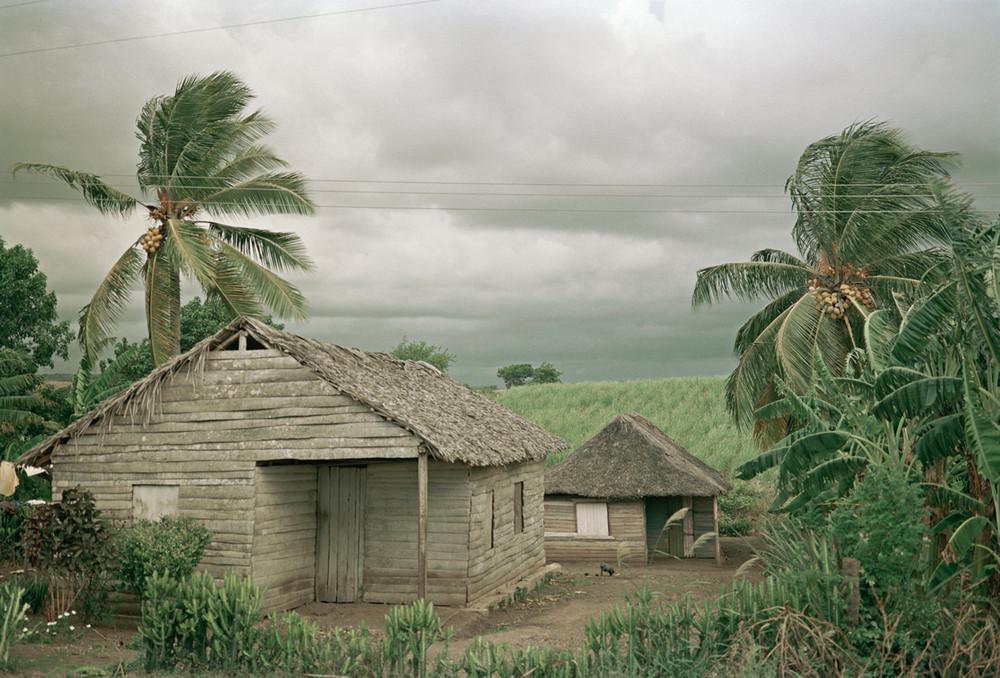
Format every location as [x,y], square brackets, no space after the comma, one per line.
[626,527]
[390,551]
[284,543]
[493,568]
[210,429]
[703,523]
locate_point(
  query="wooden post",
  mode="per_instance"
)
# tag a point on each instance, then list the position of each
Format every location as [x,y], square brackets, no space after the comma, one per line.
[852,569]
[715,528]
[688,524]
[422,525]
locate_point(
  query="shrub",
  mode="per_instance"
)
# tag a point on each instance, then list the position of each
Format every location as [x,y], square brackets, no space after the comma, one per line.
[13,612]
[171,546]
[879,524]
[71,544]
[741,509]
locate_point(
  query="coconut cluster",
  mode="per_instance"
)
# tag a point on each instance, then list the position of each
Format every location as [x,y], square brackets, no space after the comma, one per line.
[838,297]
[151,240]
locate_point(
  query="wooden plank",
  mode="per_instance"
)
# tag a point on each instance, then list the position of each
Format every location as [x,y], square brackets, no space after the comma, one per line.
[422,525]
[715,528]
[688,524]
[323,535]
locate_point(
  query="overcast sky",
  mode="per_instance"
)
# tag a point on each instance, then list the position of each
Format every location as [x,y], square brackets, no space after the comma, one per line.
[629,93]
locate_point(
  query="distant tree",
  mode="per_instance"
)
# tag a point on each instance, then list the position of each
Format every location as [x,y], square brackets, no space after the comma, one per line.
[23,404]
[516,375]
[200,319]
[546,373]
[437,356]
[28,319]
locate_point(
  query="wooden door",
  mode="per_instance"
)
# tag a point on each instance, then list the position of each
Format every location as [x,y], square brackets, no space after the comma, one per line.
[340,534]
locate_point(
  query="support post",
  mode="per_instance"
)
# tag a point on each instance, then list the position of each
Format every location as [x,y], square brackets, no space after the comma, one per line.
[422,525]
[715,528]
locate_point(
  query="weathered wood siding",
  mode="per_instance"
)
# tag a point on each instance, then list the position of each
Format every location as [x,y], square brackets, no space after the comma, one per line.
[284,544]
[626,542]
[207,436]
[704,523]
[513,556]
[390,552]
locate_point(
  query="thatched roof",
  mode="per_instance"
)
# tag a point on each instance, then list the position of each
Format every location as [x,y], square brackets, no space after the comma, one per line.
[456,423]
[630,458]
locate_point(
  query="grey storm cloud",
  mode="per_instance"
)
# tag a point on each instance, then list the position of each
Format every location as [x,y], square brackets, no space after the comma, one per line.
[630,93]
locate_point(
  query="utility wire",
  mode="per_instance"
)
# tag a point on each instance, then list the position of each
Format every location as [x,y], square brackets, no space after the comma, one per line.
[437,182]
[22,4]
[351,191]
[206,29]
[571,210]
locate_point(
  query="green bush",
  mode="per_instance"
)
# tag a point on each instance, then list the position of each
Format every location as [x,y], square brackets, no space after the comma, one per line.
[13,612]
[72,546]
[171,546]
[879,524]
[741,510]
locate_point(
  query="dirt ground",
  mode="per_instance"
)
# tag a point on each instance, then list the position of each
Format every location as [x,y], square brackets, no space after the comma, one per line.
[554,615]
[557,613]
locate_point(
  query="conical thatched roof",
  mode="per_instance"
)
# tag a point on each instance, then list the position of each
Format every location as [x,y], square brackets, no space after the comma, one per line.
[456,423]
[631,458]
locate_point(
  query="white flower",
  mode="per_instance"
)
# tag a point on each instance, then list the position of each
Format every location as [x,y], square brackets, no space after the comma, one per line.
[51,623]
[73,612]
[71,628]
[88,626]
[25,630]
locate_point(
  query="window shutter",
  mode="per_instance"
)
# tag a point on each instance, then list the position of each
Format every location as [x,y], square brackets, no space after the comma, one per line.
[592,519]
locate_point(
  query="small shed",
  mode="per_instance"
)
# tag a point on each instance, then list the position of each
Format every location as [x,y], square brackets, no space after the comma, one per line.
[610,500]
[325,473]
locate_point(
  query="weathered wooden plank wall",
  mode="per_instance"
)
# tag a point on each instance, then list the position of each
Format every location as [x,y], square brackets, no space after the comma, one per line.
[626,524]
[390,557]
[284,539]
[207,436]
[512,556]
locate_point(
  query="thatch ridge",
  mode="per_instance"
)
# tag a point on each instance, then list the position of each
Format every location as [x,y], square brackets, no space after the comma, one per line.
[631,458]
[455,423]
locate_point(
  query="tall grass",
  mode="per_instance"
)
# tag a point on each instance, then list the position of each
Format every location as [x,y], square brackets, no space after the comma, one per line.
[690,410]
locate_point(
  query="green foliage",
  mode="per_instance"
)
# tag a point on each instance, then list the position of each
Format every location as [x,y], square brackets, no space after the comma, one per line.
[71,544]
[515,375]
[878,524]
[741,509]
[199,156]
[169,546]
[412,349]
[29,321]
[867,225]
[13,612]
[523,373]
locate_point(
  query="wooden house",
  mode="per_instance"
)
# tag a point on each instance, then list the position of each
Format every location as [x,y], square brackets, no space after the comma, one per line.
[610,499]
[325,473]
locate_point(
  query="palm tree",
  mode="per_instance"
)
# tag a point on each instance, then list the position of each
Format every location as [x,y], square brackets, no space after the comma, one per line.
[19,395]
[199,154]
[867,225]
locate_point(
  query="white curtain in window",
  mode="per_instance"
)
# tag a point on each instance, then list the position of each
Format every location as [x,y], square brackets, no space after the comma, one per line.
[592,519]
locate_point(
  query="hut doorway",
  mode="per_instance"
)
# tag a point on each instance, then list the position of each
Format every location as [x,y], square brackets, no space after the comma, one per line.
[658,510]
[340,533]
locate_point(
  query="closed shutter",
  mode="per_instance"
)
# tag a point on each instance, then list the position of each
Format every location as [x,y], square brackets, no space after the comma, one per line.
[592,519]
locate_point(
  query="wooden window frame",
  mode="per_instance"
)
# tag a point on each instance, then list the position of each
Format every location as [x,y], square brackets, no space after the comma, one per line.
[519,507]
[607,522]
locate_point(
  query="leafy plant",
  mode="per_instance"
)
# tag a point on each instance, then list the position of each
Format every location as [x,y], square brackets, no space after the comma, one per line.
[71,544]
[199,154]
[169,546]
[13,612]
[432,354]
[867,225]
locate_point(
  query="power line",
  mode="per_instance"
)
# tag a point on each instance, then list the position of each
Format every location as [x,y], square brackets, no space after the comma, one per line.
[438,182]
[22,4]
[353,191]
[571,210]
[223,27]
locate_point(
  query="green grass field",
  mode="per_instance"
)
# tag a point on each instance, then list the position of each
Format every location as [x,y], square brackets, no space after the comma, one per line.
[690,410]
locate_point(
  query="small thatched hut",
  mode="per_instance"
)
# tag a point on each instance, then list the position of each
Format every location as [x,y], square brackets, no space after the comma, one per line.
[611,498]
[326,473]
